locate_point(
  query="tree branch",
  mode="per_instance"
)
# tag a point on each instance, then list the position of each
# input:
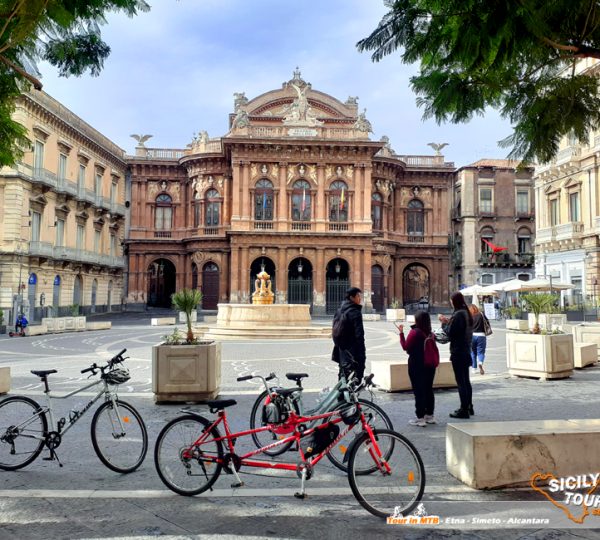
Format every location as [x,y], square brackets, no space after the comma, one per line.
[36,82]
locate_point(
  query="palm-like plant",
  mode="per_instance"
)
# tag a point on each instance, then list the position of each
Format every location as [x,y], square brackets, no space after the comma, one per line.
[537,303]
[187,300]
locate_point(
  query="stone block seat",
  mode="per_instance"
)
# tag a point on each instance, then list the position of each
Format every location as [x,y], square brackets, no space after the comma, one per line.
[162,321]
[392,375]
[488,455]
[585,354]
[36,330]
[4,380]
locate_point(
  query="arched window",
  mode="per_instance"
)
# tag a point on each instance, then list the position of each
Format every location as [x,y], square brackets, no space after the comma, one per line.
[212,205]
[377,211]
[301,201]
[338,201]
[263,200]
[164,212]
[415,222]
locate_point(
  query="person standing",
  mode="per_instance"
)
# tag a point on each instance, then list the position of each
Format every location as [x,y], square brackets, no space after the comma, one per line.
[421,376]
[349,350]
[479,342]
[459,329]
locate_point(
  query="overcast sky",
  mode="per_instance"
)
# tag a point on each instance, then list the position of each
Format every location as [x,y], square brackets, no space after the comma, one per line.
[172,72]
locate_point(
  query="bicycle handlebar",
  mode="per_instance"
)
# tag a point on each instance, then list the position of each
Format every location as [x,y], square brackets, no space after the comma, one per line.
[117,359]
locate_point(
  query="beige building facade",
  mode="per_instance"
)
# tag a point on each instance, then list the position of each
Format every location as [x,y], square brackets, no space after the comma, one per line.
[62,222]
[493,207]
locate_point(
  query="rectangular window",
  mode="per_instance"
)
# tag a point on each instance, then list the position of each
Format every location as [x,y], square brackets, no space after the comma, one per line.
[97,241]
[60,232]
[113,193]
[113,245]
[554,212]
[36,225]
[196,215]
[38,156]
[80,237]
[81,177]
[523,244]
[62,167]
[522,202]
[98,185]
[574,206]
[485,201]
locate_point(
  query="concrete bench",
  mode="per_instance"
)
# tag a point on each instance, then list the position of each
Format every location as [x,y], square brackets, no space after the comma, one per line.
[585,354]
[4,380]
[487,455]
[36,330]
[98,325]
[371,317]
[392,376]
[162,321]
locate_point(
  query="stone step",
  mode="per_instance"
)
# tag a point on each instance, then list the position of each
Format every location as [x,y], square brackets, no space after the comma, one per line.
[267,332]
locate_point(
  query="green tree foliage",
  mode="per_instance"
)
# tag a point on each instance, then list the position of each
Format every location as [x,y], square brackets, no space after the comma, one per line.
[187,300]
[65,33]
[518,56]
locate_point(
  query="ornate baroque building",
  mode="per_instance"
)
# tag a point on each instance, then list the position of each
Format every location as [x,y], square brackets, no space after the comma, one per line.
[493,206]
[295,187]
[62,216]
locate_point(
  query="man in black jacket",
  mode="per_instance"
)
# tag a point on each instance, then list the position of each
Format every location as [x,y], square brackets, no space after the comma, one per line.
[350,351]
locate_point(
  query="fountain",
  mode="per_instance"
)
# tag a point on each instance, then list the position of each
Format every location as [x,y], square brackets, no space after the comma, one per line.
[263,319]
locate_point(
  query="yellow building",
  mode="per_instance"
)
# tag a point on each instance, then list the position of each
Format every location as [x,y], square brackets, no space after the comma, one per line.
[62,216]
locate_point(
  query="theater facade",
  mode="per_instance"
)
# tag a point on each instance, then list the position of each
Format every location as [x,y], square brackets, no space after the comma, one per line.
[297,188]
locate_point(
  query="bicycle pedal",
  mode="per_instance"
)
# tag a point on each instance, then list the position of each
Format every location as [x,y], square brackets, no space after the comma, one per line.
[237,485]
[299,495]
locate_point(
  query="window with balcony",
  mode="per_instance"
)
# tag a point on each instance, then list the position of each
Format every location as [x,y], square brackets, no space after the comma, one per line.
[113,245]
[338,201]
[38,156]
[36,225]
[98,184]
[522,202]
[60,232]
[197,211]
[62,166]
[415,222]
[574,210]
[487,279]
[523,241]
[377,211]
[553,212]
[97,241]
[80,237]
[113,193]
[164,212]
[263,201]
[212,208]
[301,201]
[486,235]
[486,201]
[81,177]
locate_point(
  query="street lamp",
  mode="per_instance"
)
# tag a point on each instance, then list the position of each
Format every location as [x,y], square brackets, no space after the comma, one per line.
[300,267]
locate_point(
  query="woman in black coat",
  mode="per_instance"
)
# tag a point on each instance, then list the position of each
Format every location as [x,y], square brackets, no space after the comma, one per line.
[459,329]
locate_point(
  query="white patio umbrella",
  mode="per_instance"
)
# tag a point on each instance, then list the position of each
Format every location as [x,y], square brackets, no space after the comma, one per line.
[506,285]
[539,284]
[476,291]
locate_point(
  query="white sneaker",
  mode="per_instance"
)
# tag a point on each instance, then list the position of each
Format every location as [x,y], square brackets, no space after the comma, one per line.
[474,370]
[430,419]
[417,422]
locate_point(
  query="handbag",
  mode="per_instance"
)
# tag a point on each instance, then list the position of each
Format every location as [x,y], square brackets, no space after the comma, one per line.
[487,327]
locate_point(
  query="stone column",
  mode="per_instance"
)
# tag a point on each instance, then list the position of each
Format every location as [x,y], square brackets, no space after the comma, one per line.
[226,200]
[244,273]
[319,296]
[282,283]
[366,270]
[234,288]
[283,217]
[236,199]
[320,206]
[245,213]
[398,292]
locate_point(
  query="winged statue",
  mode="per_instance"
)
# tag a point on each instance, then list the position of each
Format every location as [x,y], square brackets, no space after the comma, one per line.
[437,147]
[141,139]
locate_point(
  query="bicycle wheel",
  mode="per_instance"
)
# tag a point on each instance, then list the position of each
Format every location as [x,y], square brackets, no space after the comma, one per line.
[119,436]
[23,429]
[376,417]
[185,468]
[278,431]
[386,487]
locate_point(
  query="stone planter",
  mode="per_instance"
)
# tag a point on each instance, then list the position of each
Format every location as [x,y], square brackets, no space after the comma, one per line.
[186,372]
[517,324]
[548,321]
[395,314]
[543,356]
[64,324]
[587,333]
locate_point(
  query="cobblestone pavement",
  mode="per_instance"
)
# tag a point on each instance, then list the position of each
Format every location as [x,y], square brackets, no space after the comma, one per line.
[83,499]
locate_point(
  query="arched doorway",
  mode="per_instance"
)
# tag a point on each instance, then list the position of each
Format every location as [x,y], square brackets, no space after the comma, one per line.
[32,283]
[94,295]
[210,286]
[266,264]
[378,289]
[56,297]
[337,282]
[415,287]
[300,289]
[161,283]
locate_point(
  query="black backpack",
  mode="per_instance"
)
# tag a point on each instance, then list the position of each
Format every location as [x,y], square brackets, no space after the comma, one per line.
[338,327]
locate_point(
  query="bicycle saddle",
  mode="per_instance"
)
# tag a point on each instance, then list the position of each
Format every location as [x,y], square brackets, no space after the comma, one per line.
[220,404]
[296,376]
[43,372]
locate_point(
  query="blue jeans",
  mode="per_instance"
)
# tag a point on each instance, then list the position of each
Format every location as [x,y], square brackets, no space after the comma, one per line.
[478,350]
